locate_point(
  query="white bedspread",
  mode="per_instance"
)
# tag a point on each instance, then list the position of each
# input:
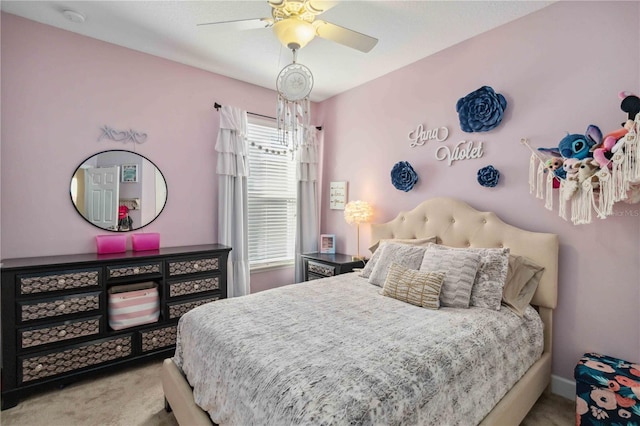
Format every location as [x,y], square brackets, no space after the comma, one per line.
[336,352]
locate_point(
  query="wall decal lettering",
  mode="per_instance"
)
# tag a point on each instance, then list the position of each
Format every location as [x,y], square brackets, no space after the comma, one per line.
[460,152]
[420,135]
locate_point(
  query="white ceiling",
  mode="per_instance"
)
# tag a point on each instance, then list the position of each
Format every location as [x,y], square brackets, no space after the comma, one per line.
[407,31]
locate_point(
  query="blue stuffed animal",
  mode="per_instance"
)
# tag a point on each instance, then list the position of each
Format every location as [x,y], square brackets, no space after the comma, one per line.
[577,146]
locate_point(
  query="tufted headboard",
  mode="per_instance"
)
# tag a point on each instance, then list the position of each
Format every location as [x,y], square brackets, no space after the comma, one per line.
[457,224]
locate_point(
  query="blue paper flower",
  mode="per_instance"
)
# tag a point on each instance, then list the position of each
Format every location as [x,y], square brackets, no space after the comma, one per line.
[403,177]
[488,176]
[481,111]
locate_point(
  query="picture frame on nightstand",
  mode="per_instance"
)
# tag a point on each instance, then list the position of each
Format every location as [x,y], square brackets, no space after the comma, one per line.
[327,243]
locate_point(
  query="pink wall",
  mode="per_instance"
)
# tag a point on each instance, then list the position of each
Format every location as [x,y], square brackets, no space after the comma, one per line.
[59,89]
[560,70]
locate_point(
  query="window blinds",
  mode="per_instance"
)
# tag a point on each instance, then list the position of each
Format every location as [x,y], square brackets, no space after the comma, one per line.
[271,197]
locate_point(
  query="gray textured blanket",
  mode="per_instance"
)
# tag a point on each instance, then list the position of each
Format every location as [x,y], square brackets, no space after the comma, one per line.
[336,352]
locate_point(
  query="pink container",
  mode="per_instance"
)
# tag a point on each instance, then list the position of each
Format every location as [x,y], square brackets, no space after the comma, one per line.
[146,241]
[111,243]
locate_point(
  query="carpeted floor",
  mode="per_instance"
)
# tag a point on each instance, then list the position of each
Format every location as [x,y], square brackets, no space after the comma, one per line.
[133,397]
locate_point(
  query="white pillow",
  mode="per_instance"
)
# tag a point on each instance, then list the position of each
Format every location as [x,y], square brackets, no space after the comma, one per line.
[460,268]
[409,241]
[490,278]
[376,252]
[401,254]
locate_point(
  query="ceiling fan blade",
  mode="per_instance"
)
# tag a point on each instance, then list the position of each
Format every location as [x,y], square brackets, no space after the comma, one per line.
[321,6]
[243,24]
[345,36]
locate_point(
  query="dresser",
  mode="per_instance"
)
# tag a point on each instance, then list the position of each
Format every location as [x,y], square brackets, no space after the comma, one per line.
[321,265]
[55,326]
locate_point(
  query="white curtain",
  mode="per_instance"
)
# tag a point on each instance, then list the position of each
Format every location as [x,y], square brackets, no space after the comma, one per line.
[233,169]
[307,205]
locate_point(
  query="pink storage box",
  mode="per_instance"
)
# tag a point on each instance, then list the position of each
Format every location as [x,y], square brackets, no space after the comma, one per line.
[133,304]
[146,241]
[111,243]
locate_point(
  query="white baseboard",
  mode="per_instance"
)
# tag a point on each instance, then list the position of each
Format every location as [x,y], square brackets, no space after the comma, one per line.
[563,387]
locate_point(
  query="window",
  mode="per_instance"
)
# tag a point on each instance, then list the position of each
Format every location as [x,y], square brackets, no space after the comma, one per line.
[271,198]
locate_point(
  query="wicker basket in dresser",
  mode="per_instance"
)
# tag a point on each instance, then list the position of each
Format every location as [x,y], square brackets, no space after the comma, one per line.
[55,325]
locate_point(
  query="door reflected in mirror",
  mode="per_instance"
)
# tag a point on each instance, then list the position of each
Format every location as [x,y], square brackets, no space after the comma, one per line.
[118,190]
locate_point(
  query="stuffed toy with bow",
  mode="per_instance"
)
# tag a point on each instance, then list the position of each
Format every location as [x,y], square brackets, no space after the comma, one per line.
[612,141]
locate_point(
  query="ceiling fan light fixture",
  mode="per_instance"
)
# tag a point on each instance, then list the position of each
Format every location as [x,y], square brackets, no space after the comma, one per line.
[294,33]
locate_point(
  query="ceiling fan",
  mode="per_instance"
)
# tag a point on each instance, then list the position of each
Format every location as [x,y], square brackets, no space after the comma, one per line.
[294,23]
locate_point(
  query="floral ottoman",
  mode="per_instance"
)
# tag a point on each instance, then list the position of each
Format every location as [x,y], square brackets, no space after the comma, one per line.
[607,391]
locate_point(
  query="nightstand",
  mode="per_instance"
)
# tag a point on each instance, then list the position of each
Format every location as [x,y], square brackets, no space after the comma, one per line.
[320,265]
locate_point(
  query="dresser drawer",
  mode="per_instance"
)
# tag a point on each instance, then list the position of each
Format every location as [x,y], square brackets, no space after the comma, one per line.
[158,338]
[321,269]
[134,270]
[182,267]
[181,288]
[54,363]
[29,338]
[178,309]
[85,302]
[64,280]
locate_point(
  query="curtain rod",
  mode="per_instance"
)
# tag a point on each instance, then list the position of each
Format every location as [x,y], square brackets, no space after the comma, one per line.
[217,106]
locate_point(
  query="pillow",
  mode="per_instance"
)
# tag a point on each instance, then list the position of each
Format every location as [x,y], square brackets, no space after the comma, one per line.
[409,256]
[409,241]
[522,281]
[460,266]
[419,288]
[368,268]
[490,278]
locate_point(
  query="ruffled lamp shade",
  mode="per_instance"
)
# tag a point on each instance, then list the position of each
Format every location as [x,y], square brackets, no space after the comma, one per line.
[358,212]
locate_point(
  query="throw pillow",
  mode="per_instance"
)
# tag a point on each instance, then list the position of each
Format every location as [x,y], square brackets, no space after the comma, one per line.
[408,241]
[418,288]
[368,268]
[460,268]
[409,256]
[490,278]
[522,282]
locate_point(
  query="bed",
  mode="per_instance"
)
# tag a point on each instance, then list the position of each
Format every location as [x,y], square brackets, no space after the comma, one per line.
[342,353]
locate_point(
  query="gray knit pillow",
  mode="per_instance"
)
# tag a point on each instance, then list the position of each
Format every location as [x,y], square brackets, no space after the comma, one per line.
[490,278]
[460,267]
[408,256]
[368,268]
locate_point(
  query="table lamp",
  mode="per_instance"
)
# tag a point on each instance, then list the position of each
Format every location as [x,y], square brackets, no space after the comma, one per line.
[358,212]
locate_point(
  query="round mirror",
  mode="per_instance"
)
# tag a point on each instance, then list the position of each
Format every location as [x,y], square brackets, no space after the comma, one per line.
[118,190]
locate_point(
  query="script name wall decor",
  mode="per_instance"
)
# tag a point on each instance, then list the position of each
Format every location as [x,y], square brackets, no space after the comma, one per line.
[460,152]
[420,135]
[463,150]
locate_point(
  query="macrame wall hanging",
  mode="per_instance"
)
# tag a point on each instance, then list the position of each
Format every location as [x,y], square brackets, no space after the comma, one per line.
[608,172]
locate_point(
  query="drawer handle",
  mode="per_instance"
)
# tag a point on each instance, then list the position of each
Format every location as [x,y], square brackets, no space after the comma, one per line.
[136,270]
[62,333]
[61,281]
[119,348]
[196,266]
[61,307]
[196,286]
[154,340]
[39,367]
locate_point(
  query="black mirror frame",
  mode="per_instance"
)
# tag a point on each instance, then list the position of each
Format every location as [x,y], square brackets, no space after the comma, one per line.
[115,230]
